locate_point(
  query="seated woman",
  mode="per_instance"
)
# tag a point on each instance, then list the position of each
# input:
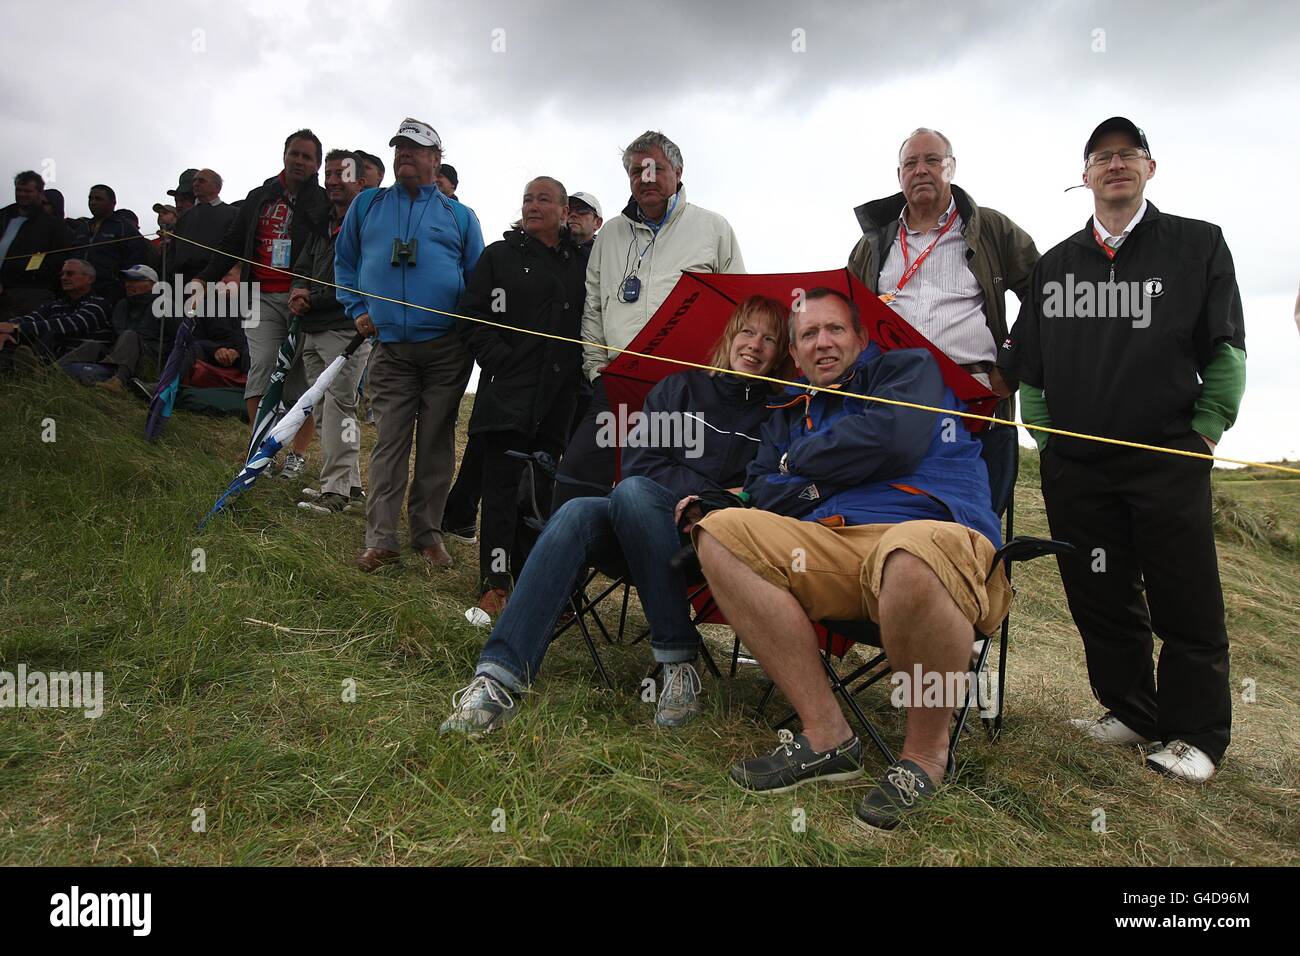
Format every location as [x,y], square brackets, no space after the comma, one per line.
[635,526]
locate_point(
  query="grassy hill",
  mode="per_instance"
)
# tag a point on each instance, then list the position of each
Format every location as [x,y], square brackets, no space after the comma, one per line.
[225,692]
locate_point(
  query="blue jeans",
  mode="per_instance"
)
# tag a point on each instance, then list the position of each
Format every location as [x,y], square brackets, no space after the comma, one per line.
[631,528]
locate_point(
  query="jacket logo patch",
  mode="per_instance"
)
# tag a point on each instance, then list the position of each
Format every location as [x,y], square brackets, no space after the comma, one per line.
[810,493]
[1154,287]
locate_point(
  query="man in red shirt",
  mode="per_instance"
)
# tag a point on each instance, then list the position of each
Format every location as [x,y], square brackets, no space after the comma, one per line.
[273,225]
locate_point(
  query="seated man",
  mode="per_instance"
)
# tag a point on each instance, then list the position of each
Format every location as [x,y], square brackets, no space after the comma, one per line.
[141,335]
[868,510]
[52,328]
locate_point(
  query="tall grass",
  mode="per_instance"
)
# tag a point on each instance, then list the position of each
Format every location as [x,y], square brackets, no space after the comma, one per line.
[227,692]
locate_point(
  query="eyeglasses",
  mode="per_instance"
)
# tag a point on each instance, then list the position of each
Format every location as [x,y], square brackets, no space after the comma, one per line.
[933,161]
[1126,155]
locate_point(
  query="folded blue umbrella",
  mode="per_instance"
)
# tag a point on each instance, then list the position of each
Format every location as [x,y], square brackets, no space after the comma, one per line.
[282,432]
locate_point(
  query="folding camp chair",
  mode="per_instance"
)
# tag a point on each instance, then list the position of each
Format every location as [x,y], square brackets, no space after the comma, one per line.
[586,617]
[837,637]
[539,471]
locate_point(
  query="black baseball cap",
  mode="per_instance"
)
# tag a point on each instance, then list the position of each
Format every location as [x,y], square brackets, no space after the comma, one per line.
[1117,124]
[185,187]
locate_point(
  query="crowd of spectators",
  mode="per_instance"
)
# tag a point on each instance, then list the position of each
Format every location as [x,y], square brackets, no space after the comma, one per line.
[896,510]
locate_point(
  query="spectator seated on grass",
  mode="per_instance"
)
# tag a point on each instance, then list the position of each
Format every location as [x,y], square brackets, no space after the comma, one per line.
[53,328]
[635,526]
[886,512]
[140,335]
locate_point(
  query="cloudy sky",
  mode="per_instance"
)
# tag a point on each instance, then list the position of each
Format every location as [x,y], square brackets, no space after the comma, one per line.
[787,118]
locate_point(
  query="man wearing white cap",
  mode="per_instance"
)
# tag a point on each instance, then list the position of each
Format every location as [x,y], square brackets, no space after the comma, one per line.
[585,219]
[410,243]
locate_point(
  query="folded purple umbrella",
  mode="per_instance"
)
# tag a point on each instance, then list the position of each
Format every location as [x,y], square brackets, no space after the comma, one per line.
[169,382]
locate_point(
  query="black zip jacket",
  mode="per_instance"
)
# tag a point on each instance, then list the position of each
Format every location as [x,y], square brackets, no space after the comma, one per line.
[114,246]
[204,223]
[311,210]
[1132,376]
[528,382]
[728,413]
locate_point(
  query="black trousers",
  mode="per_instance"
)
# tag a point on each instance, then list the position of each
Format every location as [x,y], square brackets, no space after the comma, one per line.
[586,469]
[462,501]
[504,539]
[1146,561]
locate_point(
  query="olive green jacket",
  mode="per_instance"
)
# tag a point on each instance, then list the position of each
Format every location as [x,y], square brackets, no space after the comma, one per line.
[999,253]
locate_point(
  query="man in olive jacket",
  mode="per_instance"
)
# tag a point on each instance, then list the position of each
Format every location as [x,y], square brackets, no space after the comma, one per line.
[945,264]
[532,279]
[326,332]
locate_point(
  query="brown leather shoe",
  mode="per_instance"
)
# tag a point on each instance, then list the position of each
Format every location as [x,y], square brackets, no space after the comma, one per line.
[436,554]
[372,559]
[494,601]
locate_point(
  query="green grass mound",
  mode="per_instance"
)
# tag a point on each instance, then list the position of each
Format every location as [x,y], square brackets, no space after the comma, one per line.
[266,703]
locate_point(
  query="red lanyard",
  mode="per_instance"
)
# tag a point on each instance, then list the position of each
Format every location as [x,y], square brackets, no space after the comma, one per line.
[1110,252]
[910,270]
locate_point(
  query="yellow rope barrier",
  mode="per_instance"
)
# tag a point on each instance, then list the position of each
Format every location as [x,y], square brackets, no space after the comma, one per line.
[88,245]
[765,378]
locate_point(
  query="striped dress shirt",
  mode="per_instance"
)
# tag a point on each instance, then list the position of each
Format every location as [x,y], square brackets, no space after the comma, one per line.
[942,300]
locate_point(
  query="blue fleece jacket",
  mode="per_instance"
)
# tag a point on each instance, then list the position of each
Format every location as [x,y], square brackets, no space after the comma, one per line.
[444,260]
[848,457]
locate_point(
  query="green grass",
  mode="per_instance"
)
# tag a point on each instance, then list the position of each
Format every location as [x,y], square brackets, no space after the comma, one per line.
[225,691]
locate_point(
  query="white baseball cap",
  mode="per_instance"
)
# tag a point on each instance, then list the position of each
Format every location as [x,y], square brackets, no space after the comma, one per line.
[417,132]
[140,272]
[590,200]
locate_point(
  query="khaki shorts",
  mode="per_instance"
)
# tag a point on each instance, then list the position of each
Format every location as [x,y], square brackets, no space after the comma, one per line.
[835,573]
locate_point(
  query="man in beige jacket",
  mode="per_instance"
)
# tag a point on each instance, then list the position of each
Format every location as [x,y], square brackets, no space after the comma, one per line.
[637,259]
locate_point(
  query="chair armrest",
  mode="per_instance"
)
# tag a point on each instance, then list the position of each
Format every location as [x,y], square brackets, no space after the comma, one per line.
[1026,549]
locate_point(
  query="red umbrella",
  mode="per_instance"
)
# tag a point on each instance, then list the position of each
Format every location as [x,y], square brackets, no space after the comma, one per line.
[693,316]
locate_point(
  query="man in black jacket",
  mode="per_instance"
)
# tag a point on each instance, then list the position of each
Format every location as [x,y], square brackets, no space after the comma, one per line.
[274,223]
[113,239]
[207,222]
[29,274]
[1133,329]
[534,279]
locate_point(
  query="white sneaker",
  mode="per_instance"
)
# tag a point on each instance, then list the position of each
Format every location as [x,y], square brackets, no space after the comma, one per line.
[1108,729]
[1182,760]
